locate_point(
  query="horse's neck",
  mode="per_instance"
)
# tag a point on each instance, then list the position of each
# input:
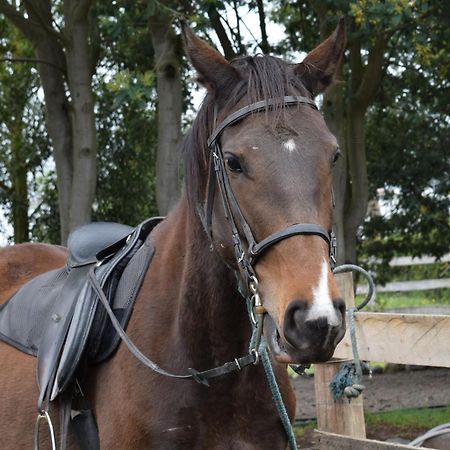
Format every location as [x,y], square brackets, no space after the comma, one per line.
[211,321]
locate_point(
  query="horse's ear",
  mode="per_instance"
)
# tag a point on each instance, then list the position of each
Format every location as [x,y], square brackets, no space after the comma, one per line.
[214,70]
[319,67]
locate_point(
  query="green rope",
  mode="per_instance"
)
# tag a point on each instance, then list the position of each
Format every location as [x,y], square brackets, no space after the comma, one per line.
[276,395]
[273,385]
[348,381]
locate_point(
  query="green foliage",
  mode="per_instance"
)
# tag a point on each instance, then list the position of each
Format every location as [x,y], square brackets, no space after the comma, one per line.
[127,154]
[133,88]
[44,220]
[127,131]
[407,149]
[23,140]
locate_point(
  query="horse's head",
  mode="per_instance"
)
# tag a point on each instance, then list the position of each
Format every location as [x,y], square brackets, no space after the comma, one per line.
[277,164]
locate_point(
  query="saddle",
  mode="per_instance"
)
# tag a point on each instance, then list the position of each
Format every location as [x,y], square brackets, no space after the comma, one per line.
[56,316]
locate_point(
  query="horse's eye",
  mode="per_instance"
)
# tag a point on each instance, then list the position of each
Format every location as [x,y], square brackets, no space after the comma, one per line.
[336,156]
[233,164]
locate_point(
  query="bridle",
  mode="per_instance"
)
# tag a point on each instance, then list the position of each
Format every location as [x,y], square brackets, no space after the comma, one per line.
[246,256]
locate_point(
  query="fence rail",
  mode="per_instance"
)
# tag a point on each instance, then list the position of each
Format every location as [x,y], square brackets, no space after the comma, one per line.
[415,285]
[394,338]
[405,286]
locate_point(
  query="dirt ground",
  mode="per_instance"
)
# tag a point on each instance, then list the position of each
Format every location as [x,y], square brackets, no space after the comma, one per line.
[428,387]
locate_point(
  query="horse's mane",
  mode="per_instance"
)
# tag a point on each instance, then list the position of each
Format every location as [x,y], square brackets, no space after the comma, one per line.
[263,77]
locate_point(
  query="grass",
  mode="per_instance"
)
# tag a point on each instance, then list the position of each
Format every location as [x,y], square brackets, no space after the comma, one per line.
[398,420]
[388,300]
[419,417]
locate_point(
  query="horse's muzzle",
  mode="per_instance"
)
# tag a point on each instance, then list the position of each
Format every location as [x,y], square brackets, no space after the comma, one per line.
[304,340]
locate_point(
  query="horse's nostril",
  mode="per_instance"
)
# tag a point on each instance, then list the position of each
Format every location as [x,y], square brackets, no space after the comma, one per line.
[305,330]
[339,304]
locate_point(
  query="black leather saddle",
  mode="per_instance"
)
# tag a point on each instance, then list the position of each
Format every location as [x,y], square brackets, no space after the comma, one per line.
[56,316]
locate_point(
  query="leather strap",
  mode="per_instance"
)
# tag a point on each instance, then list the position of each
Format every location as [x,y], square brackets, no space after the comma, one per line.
[263,105]
[300,228]
[199,376]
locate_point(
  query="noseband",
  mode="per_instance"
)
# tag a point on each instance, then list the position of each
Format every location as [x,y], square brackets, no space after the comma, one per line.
[247,256]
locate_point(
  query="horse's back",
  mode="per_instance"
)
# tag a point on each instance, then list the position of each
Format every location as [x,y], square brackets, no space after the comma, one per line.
[22,262]
[18,265]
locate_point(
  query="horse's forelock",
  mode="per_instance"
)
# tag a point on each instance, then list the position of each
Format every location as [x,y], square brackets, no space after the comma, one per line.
[263,77]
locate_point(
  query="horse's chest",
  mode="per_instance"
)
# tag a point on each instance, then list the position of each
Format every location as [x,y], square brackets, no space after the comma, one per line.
[223,436]
[223,428]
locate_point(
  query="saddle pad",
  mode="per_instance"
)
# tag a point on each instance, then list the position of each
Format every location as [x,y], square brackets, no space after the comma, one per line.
[56,318]
[23,316]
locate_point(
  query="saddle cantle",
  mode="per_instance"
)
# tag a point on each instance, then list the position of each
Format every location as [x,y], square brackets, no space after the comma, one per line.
[56,317]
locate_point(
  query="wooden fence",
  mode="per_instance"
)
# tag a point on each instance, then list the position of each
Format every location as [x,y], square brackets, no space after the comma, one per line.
[415,285]
[393,338]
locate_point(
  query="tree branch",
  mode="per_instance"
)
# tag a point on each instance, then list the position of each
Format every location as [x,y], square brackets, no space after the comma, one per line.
[373,72]
[265,46]
[26,26]
[238,28]
[42,22]
[31,60]
[216,23]
[5,187]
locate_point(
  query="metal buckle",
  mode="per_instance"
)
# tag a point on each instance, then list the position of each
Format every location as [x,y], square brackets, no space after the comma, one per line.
[253,350]
[253,284]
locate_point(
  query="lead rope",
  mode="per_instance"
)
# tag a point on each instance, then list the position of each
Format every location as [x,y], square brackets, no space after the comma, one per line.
[257,342]
[348,381]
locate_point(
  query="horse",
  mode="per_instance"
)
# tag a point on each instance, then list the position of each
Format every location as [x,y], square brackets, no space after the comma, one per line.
[251,185]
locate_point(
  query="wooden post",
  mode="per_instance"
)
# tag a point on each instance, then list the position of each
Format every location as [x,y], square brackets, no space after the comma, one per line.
[341,416]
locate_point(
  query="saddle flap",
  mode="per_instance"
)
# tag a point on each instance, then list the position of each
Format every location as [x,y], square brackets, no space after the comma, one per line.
[57,325]
[24,317]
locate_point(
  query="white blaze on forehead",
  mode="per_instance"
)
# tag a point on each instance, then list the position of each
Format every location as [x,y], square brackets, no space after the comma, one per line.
[289,145]
[322,306]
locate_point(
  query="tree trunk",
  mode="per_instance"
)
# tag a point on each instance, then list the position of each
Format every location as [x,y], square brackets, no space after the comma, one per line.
[66,57]
[84,159]
[166,46]
[333,110]
[59,125]
[19,188]
[356,198]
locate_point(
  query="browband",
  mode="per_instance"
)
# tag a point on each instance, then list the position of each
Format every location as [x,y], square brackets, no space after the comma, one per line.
[262,105]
